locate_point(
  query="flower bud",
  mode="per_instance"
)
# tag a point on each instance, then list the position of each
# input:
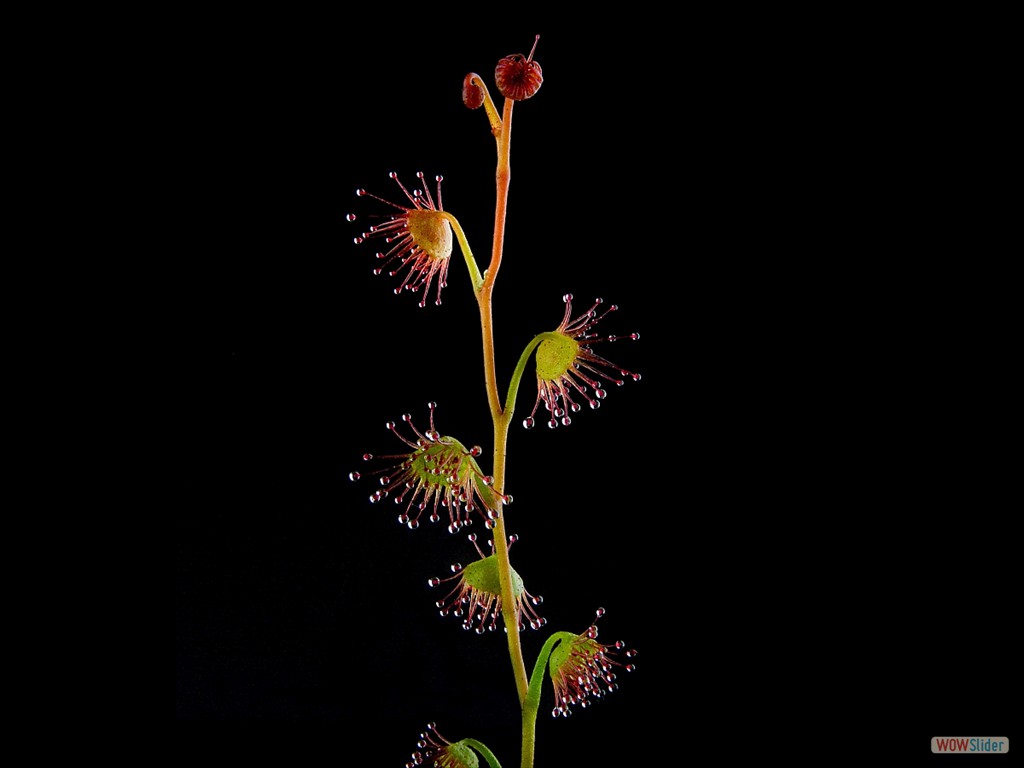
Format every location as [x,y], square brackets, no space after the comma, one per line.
[518,77]
[472,94]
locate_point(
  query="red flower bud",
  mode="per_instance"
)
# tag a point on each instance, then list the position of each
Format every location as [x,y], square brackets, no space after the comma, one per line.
[518,77]
[472,94]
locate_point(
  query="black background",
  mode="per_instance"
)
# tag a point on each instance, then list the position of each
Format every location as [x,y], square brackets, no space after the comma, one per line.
[798,517]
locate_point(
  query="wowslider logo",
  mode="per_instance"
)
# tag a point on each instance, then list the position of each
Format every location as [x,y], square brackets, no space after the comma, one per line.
[970,745]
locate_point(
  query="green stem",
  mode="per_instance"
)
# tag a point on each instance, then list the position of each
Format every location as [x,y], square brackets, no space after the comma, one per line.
[531,705]
[537,678]
[500,420]
[467,252]
[529,691]
[517,374]
[487,754]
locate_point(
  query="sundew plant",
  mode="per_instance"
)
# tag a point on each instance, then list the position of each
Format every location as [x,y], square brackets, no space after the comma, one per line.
[429,477]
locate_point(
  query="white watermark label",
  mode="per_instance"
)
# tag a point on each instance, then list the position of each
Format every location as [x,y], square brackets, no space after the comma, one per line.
[970,745]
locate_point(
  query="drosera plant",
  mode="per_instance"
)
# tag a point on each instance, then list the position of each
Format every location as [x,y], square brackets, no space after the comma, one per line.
[436,478]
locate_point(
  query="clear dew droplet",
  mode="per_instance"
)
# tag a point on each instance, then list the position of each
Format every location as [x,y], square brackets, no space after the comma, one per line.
[350,217]
[353,476]
[528,422]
